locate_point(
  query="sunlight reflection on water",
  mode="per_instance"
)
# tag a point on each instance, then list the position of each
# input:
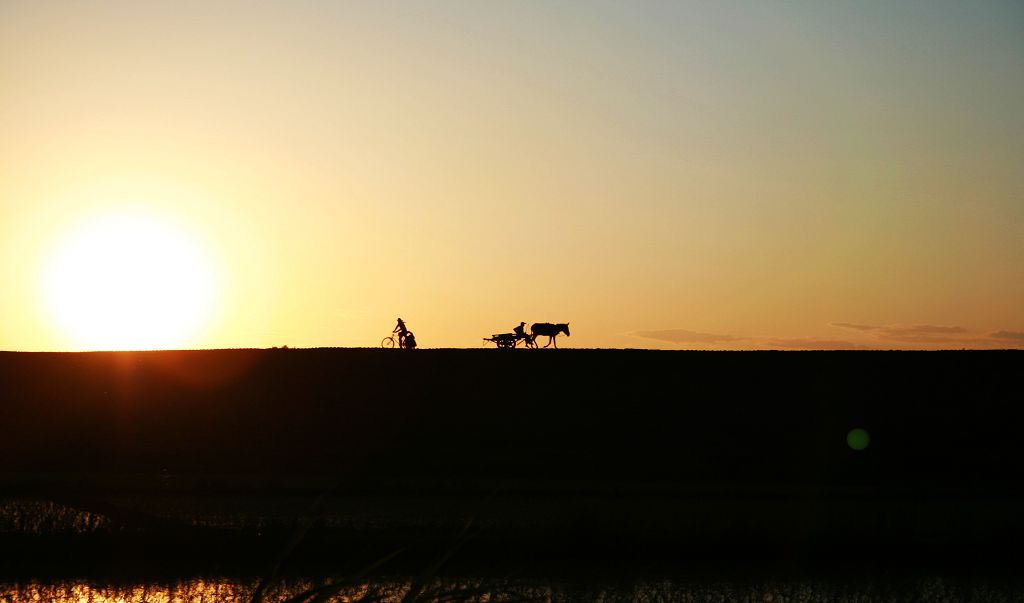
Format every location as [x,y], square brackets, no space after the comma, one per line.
[236,591]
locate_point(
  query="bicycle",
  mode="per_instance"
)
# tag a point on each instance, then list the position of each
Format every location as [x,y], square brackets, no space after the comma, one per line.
[396,341]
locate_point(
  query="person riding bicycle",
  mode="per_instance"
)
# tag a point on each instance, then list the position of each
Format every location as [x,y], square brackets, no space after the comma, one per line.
[402,332]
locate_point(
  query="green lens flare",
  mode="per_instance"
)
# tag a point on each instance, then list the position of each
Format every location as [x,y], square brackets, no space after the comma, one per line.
[858,439]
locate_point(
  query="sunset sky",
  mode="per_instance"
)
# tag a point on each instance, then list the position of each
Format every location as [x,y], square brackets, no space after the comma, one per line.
[706,175]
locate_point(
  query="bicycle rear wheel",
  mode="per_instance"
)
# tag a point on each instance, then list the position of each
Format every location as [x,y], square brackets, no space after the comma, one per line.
[388,342]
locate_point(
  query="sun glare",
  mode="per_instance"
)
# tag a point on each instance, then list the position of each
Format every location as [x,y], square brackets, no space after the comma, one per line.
[129,282]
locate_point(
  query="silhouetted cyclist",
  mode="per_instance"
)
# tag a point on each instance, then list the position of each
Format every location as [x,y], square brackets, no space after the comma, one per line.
[402,332]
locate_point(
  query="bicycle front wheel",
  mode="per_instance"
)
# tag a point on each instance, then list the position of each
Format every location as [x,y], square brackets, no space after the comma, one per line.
[388,342]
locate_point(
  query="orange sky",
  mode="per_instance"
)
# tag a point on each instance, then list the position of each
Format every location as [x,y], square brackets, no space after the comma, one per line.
[660,174]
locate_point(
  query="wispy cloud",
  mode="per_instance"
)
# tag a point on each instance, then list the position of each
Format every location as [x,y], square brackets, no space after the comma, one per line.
[939,335]
[1014,336]
[811,343]
[854,327]
[923,333]
[684,336]
[904,332]
[868,337]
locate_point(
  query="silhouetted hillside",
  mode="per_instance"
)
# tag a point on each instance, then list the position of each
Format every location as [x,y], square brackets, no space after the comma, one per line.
[606,453]
[945,419]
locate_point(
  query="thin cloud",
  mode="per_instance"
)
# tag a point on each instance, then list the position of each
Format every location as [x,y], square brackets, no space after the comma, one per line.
[684,336]
[871,337]
[1015,336]
[921,333]
[813,343]
[853,326]
[899,331]
[936,335]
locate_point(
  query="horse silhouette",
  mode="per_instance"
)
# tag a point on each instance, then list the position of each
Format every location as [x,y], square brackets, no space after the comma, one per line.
[550,330]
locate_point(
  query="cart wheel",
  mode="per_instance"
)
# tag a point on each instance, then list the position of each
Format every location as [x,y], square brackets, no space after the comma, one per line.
[388,342]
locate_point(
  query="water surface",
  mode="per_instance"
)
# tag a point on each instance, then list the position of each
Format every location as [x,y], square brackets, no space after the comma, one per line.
[933,589]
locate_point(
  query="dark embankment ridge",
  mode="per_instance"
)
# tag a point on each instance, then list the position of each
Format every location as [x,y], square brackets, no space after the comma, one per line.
[208,460]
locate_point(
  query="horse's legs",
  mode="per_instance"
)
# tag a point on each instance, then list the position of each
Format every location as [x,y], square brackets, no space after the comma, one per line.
[554,340]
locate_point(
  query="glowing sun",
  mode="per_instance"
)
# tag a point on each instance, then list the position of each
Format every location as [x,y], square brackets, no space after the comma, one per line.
[126,281]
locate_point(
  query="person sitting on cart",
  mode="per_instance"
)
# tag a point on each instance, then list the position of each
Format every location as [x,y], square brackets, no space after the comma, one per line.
[402,332]
[521,333]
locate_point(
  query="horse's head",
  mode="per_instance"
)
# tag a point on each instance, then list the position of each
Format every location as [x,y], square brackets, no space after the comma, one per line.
[564,328]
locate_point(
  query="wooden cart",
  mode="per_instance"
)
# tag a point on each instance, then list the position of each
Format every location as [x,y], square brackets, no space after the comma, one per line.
[510,340]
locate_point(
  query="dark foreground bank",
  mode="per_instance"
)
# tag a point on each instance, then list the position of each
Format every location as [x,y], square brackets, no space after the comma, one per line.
[210,461]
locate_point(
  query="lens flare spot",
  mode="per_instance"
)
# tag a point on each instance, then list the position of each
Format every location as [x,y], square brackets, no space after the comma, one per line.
[858,439]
